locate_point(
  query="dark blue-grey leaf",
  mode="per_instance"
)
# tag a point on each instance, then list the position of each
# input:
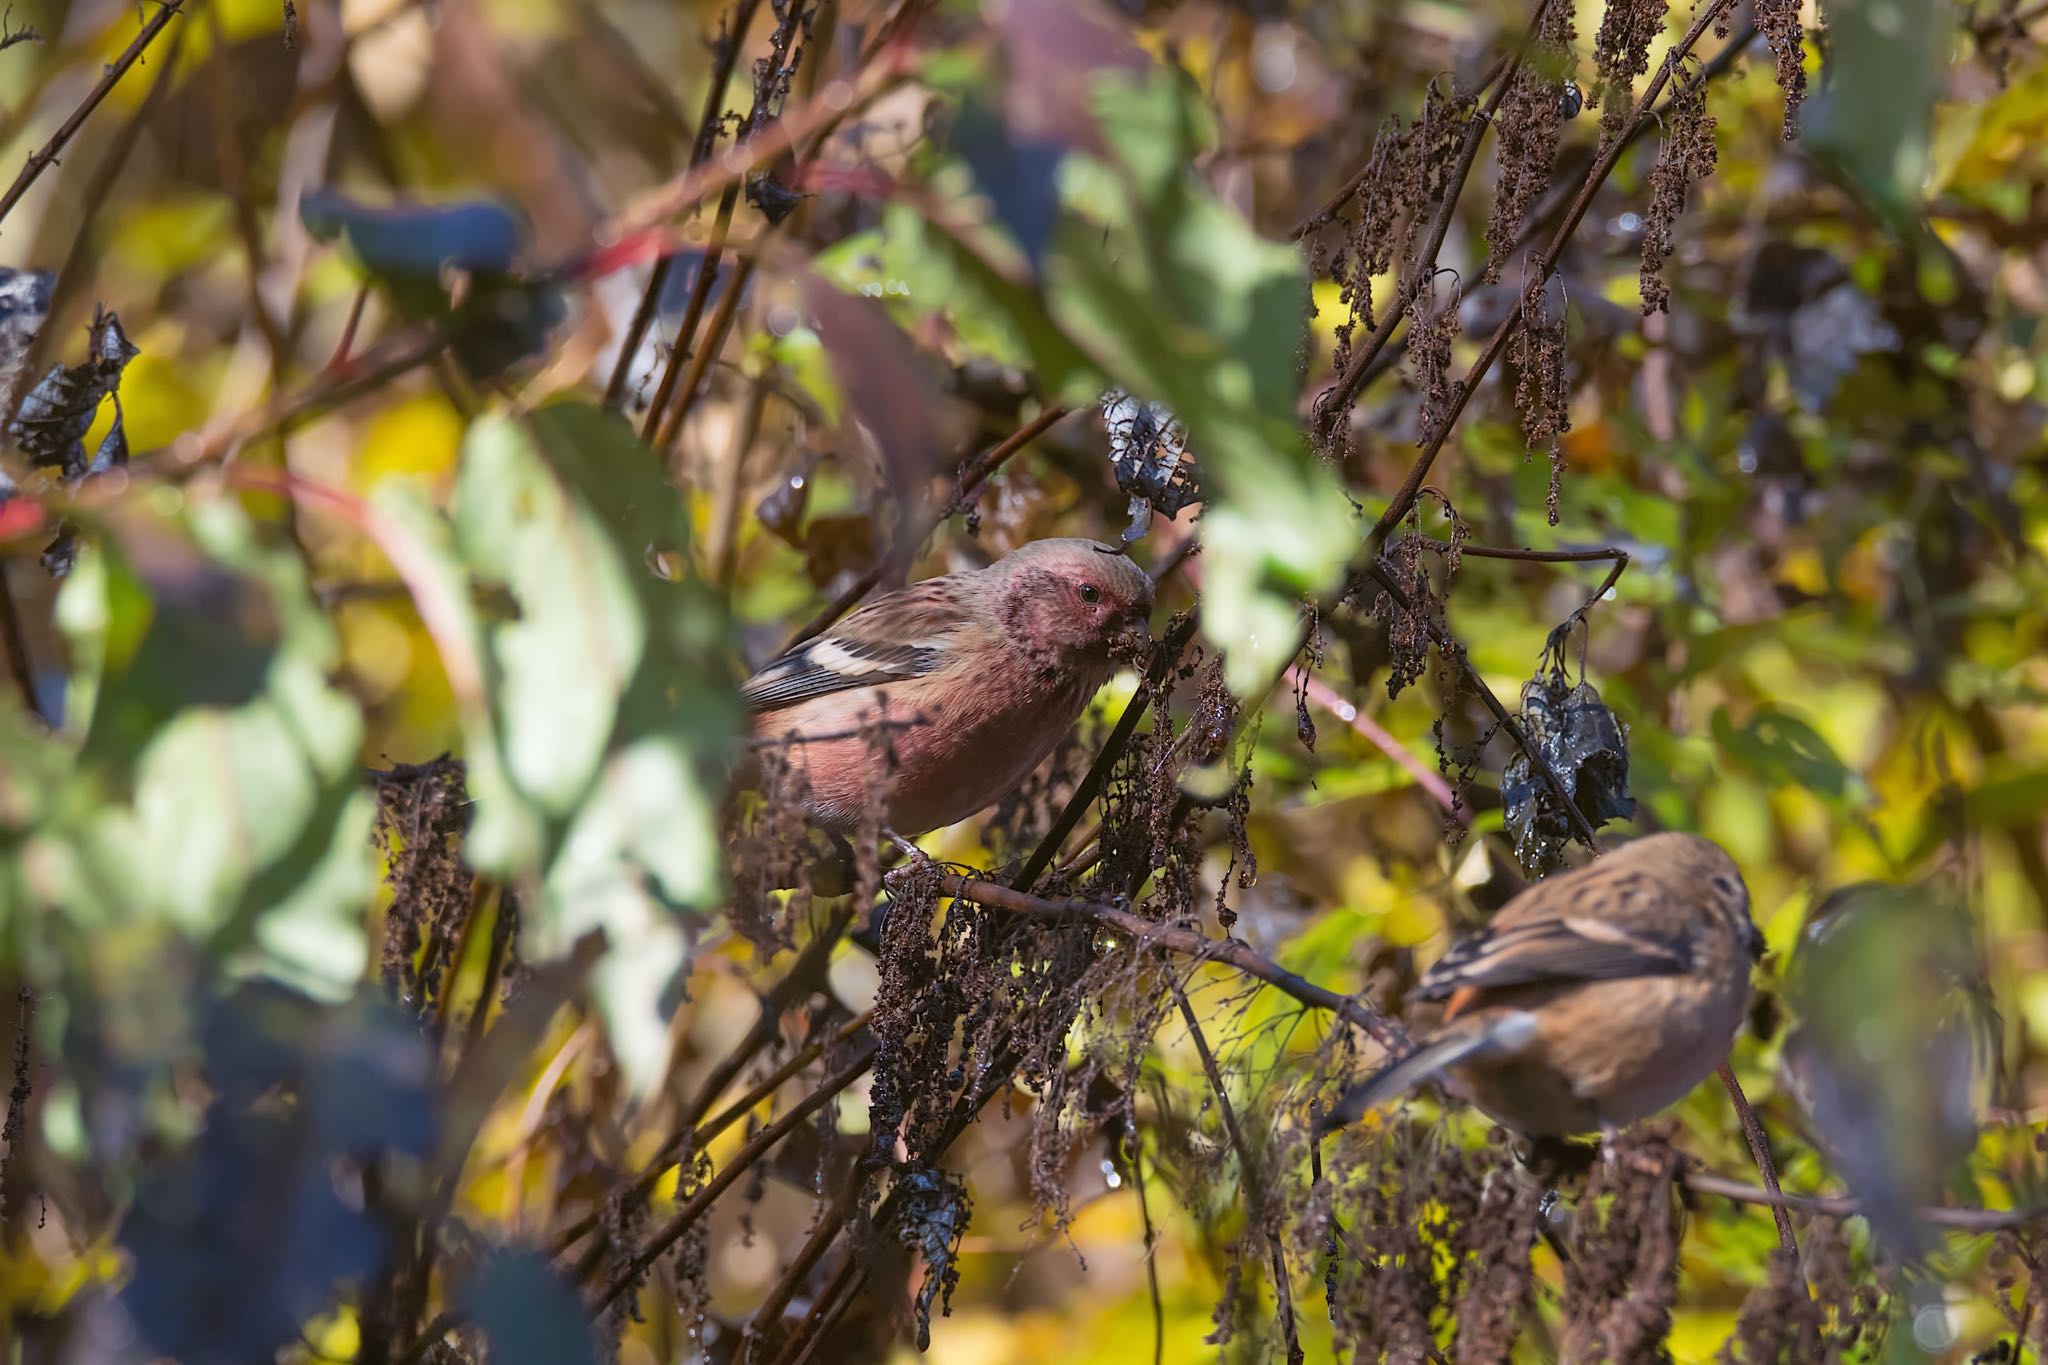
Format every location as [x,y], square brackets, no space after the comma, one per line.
[418,239]
[55,416]
[1017,171]
[258,1225]
[1578,736]
[529,1312]
[1895,1048]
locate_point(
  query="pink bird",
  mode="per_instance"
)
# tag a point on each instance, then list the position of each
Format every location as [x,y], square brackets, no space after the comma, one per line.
[943,696]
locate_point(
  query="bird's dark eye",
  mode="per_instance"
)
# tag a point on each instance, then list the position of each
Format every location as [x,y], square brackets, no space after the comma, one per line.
[1090,593]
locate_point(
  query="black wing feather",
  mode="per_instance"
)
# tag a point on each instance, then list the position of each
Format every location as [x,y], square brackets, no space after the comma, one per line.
[835,664]
[1551,950]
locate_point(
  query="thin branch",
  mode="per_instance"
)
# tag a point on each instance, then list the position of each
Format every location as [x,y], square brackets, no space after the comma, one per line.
[1841,1206]
[833,1302]
[1232,952]
[835,101]
[15,643]
[769,1310]
[703,353]
[972,476]
[397,354]
[705,1132]
[1760,1151]
[684,347]
[700,152]
[1328,212]
[1448,645]
[76,272]
[1151,1249]
[805,975]
[1525,556]
[41,160]
[1165,658]
[757,1147]
[1426,777]
[1334,404]
[1253,1176]
[1545,266]
[620,51]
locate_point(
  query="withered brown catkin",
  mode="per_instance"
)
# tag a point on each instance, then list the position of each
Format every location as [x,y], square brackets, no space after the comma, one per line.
[1622,1277]
[1407,630]
[1780,1323]
[1779,22]
[1526,129]
[422,818]
[1382,200]
[1621,52]
[1431,330]
[1490,1317]
[1687,157]
[1542,391]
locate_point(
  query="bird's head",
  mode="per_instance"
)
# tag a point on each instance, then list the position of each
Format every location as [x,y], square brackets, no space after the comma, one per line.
[1073,602]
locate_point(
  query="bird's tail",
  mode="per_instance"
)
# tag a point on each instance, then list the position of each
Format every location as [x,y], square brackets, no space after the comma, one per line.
[1506,1032]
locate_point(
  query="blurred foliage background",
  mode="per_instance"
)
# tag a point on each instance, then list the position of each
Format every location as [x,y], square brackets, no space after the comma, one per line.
[436,379]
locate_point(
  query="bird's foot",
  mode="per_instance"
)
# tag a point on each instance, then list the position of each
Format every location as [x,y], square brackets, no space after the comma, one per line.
[905,847]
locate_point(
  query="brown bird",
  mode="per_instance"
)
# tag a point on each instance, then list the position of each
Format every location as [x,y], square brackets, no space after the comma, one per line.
[946,694]
[1594,997]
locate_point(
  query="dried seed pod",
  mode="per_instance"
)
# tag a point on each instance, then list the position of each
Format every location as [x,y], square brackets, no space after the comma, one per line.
[1526,129]
[1687,157]
[1431,331]
[1542,390]
[1779,21]
[1621,52]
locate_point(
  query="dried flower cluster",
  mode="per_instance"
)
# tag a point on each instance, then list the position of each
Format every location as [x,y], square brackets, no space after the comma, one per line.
[1542,391]
[1531,116]
[1433,1245]
[1779,21]
[1621,53]
[1621,1277]
[1687,157]
[422,816]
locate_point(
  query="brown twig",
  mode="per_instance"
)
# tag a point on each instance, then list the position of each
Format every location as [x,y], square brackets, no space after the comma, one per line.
[705,1132]
[700,152]
[769,1310]
[1336,402]
[15,643]
[1252,1175]
[684,348]
[1841,1206]
[1232,952]
[398,354]
[1760,1151]
[835,101]
[972,476]
[76,272]
[41,160]
[694,1207]
[1137,1159]
[1449,646]
[620,51]
[804,976]
[1525,556]
[1165,658]
[1323,216]
[702,354]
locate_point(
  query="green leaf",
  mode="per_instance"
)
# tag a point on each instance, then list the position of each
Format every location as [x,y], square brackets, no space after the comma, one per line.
[603,710]
[1178,300]
[1887,62]
[215,788]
